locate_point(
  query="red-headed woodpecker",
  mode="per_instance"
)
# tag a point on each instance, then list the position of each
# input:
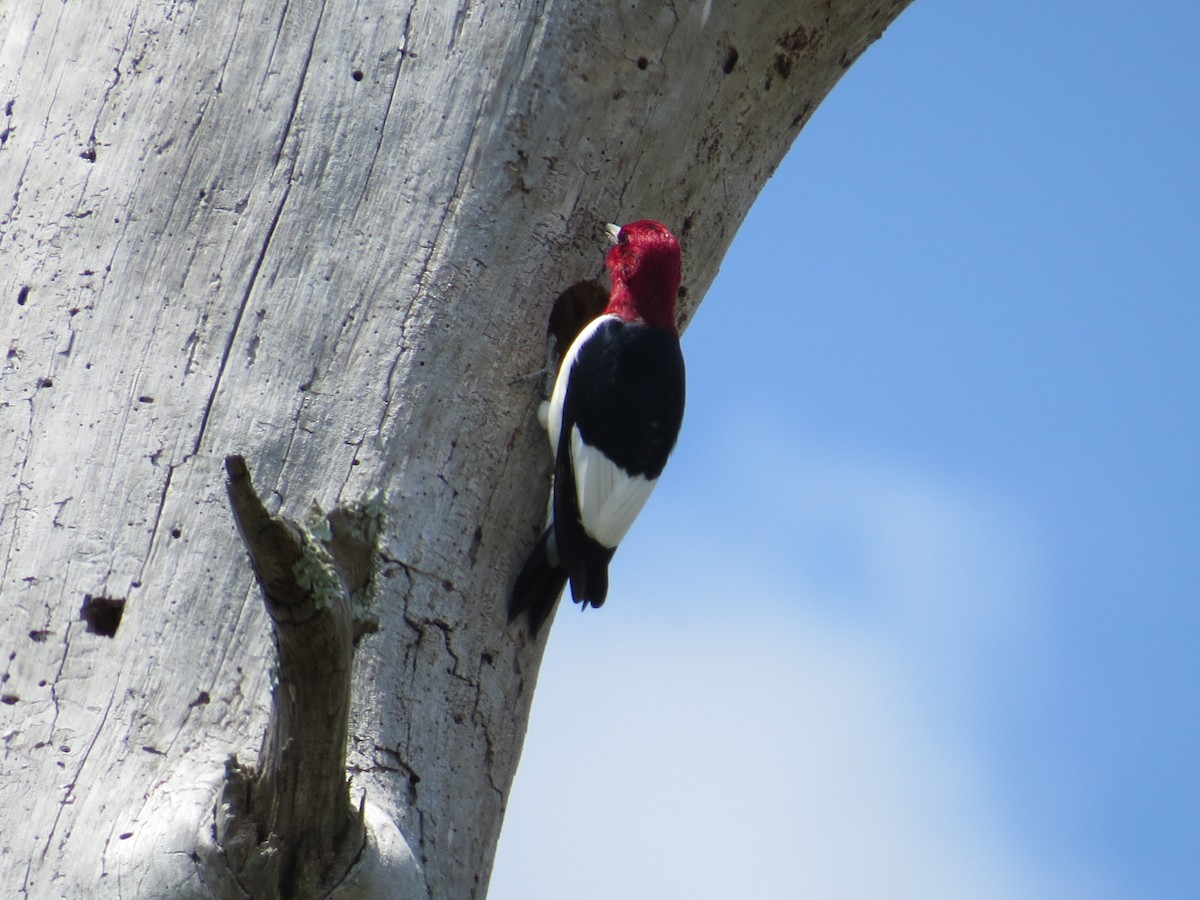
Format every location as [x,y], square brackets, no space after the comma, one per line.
[612,418]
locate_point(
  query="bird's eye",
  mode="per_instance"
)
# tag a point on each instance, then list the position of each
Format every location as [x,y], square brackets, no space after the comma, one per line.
[623,237]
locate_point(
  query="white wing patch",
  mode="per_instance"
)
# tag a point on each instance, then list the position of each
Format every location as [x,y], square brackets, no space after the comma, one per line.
[609,497]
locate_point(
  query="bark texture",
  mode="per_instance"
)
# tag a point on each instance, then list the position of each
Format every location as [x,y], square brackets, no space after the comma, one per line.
[325,235]
[286,827]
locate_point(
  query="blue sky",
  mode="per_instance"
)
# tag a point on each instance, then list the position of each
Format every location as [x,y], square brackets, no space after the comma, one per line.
[915,611]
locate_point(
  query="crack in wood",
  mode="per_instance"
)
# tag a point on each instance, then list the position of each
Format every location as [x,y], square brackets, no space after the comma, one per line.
[236,326]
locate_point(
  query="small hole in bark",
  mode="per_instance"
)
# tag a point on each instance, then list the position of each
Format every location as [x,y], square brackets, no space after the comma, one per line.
[731,58]
[39,635]
[89,154]
[102,614]
[357,75]
[125,835]
[10,699]
[176,532]
[145,398]
[22,295]
[45,382]
[642,62]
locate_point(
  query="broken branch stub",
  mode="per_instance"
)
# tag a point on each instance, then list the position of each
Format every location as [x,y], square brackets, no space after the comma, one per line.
[288,827]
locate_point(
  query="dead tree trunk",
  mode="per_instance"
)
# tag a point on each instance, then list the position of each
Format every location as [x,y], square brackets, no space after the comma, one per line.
[325,236]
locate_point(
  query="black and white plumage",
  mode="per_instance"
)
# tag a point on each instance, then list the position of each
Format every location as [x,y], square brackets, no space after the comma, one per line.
[612,419]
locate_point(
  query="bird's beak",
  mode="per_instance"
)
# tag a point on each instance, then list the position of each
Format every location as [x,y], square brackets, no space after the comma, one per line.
[614,231]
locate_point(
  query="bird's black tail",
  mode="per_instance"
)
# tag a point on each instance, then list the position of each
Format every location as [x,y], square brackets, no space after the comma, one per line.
[589,572]
[538,586]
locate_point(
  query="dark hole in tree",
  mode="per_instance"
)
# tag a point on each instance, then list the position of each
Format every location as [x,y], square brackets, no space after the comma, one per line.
[572,310]
[22,295]
[102,614]
[731,58]
[357,75]
[642,62]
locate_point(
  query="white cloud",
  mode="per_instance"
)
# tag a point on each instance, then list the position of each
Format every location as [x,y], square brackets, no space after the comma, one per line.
[741,722]
[743,762]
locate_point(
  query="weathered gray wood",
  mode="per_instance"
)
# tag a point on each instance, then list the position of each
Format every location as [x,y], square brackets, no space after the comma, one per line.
[325,235]
[286,826]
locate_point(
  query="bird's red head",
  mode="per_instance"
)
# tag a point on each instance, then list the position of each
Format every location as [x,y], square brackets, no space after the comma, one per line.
[644,266]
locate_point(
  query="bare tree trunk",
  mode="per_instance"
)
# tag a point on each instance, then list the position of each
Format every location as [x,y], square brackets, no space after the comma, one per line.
[325,236]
